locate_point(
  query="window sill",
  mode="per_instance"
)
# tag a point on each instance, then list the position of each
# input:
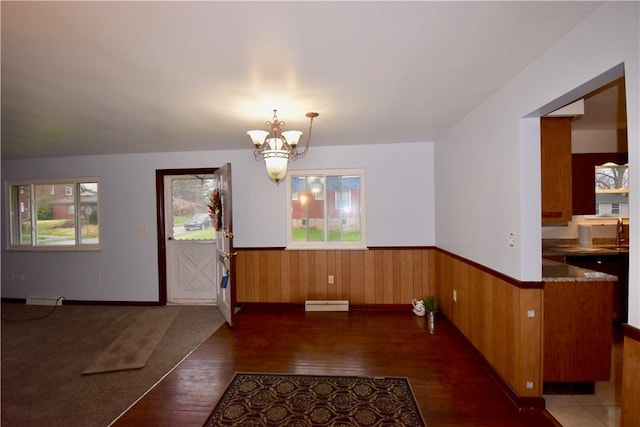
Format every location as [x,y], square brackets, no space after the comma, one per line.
[327,246]
[84,248]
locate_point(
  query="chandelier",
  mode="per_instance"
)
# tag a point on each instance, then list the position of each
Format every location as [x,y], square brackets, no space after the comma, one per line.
[276,147]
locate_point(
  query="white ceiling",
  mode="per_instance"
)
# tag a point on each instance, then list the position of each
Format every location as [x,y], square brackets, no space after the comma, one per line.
[124,77]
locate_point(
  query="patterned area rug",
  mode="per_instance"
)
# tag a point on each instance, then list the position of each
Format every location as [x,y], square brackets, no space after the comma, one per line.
[303,400]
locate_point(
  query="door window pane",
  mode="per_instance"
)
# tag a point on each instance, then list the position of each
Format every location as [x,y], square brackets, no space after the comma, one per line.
[190,201]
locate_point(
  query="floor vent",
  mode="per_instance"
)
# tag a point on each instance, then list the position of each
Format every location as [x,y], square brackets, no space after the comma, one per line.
[44,300]
[317,305]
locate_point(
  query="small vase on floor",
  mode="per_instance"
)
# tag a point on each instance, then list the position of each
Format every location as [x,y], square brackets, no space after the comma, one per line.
[431,316]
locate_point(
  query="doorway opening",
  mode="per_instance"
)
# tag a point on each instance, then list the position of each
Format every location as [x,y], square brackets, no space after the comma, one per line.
[597,136]
[196,259]
[186,228]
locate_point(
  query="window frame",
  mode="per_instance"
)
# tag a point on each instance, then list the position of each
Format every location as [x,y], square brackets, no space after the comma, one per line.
[10,215]
[332,245]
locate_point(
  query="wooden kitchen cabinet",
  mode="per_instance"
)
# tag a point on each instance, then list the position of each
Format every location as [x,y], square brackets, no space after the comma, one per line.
[555,160]
[615,264]
[577,332]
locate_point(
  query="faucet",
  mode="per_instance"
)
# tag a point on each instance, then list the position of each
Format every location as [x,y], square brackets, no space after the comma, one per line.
[619,232]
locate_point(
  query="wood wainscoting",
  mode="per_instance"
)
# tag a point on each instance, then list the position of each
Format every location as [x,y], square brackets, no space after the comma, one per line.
[630,410]
[377,276]
[493,312]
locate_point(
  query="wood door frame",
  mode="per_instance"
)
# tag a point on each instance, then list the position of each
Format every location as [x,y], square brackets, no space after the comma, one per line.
[161,223]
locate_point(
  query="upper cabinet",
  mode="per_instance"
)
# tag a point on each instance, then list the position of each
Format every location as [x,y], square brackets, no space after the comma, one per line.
[555,159]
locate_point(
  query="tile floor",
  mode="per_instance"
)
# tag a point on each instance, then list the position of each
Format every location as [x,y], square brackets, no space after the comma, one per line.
[591,410]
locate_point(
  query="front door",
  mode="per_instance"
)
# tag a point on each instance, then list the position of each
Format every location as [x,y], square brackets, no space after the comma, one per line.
[190,239]
[225,255]
[196,260]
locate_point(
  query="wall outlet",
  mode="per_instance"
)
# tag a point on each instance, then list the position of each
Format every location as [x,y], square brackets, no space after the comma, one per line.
[512,240]
[529,385]
[330,279]
[531,313]
[12,277]
[455,296]
[98,279]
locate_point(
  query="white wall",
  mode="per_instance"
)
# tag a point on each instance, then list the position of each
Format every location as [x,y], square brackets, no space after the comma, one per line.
[128,261]
[487,166]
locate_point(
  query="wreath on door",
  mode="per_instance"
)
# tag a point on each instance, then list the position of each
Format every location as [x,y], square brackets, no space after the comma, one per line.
[215,209]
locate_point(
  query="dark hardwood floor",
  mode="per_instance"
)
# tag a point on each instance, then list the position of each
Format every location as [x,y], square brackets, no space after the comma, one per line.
[450,384]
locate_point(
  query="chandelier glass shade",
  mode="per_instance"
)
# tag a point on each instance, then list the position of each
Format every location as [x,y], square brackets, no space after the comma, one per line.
[276,147]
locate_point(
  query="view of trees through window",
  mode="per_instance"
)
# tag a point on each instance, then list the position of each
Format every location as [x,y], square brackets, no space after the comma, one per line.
[612,190]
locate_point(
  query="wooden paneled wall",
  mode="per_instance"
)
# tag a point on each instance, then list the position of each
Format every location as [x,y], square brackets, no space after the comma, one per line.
[490,311]
[493,314]
[373,276]
[630,410]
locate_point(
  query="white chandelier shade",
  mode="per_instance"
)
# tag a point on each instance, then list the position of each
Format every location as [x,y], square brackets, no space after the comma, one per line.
[276,162]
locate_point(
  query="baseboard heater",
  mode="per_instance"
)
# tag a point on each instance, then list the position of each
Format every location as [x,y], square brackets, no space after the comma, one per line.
[334,305]
[44,300]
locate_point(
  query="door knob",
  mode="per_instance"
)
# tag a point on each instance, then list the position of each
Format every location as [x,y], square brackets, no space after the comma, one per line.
[227,255]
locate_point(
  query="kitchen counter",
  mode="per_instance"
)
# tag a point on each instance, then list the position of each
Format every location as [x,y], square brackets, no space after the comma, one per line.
[553,271]
[578,311]
[580,250]
[577,329]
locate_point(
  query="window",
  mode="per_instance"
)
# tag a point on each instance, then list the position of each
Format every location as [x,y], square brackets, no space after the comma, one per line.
[60,215]
[190,199]
[612,190]
[615,208]
[327,209]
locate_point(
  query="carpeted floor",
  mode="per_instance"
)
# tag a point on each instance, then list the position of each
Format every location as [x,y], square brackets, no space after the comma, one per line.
[133,347]
[305,400]
[43,360]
